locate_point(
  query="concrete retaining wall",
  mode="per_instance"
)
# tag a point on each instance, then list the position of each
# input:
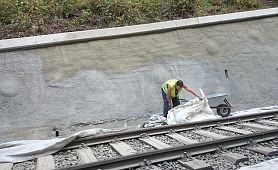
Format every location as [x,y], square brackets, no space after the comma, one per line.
[77,81]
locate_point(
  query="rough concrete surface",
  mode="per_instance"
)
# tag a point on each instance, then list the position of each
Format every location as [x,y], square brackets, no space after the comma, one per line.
[113,79]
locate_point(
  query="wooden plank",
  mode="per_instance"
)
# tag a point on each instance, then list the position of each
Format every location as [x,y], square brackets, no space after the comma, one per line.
[6,166]
[195,164]
[236,130]
[265,150]
[122,148]
[86,155]
[235,158]
[268,122]
[45,163]
[257,126]
[209,134]
[181,138]
[155,143]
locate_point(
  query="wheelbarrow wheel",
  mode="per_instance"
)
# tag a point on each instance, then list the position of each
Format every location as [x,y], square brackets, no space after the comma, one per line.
[223,110]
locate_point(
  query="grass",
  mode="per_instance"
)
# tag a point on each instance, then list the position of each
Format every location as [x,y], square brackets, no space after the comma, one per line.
[21,18]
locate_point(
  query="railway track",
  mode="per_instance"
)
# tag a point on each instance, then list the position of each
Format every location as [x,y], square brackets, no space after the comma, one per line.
[228,143]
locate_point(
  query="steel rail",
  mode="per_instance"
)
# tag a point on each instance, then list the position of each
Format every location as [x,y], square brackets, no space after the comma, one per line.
[132,134]
[156,156]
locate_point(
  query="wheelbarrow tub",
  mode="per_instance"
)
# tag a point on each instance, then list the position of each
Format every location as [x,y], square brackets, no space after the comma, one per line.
[215,100]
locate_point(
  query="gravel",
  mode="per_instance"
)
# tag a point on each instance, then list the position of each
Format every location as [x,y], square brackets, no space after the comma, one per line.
[215,160]
[274,120]
[254,158]
[30,165]
[104,151]
[222,132]
[138,145]
[265,124]
[171,165]
[168,140]
[67,158]
[195,136]
[271,144]
[245,128]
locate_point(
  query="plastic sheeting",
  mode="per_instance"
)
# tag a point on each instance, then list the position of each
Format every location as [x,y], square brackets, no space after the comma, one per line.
[155,120]
[18,151]
[194,110]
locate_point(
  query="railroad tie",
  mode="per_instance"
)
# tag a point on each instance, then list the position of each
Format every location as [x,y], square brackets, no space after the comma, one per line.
[181,138]
[236,130]
[257,126]
[265,150]
[6,166]
[195,164]
[155,143]
[122,148]
[45,163]
[86,155]
[234,158]
[268,122]
[209,134]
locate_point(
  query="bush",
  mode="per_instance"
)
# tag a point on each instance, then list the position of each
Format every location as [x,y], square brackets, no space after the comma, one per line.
[246,4]
[34,17]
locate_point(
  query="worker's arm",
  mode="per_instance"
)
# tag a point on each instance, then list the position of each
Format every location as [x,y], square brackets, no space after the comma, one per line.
[169,98]
[187,88]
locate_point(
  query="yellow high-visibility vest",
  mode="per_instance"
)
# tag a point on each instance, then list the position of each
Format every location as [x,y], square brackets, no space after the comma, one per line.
[172,83]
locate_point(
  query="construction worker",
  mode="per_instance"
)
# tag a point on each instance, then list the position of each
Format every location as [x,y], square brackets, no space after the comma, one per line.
[170,94]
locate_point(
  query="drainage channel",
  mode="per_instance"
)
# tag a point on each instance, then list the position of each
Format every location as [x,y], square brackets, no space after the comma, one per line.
[169,146]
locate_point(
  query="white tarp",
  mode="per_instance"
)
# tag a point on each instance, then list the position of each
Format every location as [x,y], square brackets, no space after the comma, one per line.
[194,110]
[18,151]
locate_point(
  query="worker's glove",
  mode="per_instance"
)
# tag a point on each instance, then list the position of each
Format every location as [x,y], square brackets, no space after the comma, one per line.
[200,98]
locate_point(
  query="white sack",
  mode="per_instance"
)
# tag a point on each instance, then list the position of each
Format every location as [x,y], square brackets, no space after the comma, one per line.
[194,110]
[154,121]
[18,151]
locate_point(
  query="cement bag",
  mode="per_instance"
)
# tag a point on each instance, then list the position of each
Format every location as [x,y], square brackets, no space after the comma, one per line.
[18,151]
[194,110]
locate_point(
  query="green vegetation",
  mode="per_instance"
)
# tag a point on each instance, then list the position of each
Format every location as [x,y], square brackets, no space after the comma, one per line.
[19,18]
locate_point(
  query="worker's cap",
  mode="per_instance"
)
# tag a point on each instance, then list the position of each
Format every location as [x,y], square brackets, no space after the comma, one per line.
[179,83]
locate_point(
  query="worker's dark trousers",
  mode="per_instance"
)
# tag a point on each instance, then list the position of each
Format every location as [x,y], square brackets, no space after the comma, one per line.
[175,101]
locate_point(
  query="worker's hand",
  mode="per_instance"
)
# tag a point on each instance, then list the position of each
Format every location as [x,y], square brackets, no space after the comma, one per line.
[170,105]
[200,98]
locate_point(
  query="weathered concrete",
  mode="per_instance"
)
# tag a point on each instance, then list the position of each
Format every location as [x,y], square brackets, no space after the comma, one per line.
[121,77]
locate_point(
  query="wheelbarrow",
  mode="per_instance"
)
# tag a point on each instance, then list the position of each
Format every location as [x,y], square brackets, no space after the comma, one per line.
[218,101]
